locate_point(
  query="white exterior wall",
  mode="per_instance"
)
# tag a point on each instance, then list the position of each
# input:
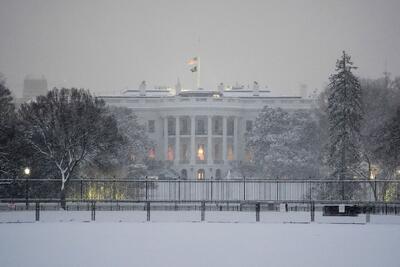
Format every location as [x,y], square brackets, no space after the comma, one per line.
[239,108]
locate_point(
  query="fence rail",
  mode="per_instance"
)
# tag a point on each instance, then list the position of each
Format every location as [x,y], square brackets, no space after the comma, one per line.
[48,206]
[205,190]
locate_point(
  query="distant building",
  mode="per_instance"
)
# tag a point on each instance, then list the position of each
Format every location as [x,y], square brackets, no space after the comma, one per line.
[34,87]
[201,132]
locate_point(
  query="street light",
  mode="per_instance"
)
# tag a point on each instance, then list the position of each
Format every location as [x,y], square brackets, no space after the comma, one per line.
[27,171]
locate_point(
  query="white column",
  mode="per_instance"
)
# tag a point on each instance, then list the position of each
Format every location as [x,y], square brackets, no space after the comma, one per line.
[192,140]
[209,139]
[165,138]
[235,138]
[224,141]
[177,141]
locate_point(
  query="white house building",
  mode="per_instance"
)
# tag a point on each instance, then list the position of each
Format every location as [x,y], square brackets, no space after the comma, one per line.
[201,132]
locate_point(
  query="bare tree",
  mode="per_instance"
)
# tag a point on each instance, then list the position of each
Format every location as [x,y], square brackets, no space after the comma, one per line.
[68,126]
[7,128]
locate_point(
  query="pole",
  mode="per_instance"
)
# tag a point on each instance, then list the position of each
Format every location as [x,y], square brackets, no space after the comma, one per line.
[203,211]
[312,211]
[179,189]
[26,193]
[93,211]
[37,211]
[147,186]
[148,210]
[244,187]
[81,189]
[198,72]
[211,189]
[257,212]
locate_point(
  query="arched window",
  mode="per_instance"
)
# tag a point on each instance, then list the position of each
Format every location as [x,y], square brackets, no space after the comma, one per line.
[201,174]
[183,174]
[218,174]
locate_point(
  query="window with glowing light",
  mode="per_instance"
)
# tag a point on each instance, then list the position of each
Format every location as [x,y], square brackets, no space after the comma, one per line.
[201,174]
[201,153]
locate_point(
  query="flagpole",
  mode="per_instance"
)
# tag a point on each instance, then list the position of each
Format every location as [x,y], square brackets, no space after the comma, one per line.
[198,72]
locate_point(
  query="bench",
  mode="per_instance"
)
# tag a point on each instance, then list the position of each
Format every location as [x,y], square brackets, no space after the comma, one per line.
[341,210]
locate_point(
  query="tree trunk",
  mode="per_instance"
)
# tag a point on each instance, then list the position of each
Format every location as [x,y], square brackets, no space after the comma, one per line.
[62,199]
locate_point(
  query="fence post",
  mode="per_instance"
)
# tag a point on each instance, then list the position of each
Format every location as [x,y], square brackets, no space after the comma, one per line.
[26,193]
[148,210]
[81,189]
[343,197]
[114,189]
[93,211]
[244,187]
[146,188]
[179,189]
[211,189]
[257,212]
[312,211]
[203,211]
[277,190]
[37,211]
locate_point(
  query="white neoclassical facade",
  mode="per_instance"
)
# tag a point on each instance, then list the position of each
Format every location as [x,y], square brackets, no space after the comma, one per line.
[201,132]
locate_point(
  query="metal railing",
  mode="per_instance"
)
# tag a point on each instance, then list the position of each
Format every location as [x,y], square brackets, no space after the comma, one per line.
[387,191]
[47,206]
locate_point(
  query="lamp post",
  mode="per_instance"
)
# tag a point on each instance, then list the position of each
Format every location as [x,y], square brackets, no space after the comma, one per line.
[27,173]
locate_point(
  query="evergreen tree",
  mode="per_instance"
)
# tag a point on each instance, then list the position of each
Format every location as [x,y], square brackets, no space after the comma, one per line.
[345,115]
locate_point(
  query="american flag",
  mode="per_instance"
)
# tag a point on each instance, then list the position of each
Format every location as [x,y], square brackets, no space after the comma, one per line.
[192,61]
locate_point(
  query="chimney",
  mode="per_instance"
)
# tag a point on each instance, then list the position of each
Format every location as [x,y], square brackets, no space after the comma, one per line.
[221,88]
[256,89]
[178,87]
[142,88]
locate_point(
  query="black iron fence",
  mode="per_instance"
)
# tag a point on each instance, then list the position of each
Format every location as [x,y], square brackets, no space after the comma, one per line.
[387,191]
[306,210]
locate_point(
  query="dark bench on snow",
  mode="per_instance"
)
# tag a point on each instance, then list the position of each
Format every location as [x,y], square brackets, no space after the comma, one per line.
[341,210]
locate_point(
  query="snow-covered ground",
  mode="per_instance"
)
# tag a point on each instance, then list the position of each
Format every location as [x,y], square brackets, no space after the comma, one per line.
[199,244]
[178,238]
[189,216]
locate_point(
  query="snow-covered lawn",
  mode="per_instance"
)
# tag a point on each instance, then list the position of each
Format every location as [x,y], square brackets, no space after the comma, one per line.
[198,244]
[189,216]
[124,238]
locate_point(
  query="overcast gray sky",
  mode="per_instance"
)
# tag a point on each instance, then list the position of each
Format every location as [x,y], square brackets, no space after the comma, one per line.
[109,45]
